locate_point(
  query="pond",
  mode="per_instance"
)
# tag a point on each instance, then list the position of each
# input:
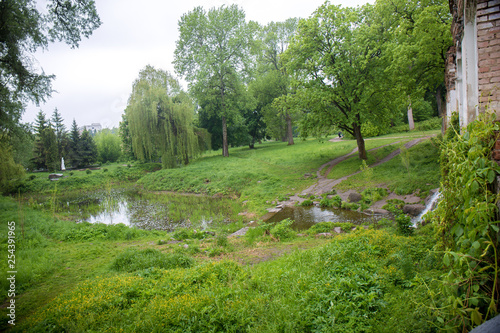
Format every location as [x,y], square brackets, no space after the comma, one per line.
[169,211]
[161,211]
[306,217]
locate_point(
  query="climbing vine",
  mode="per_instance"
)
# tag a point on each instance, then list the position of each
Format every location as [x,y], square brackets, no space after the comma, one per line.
[467,224]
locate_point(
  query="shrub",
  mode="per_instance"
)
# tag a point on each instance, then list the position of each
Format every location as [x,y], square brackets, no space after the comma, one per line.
[350,205]
[306,203]
[282,230]
[88,171]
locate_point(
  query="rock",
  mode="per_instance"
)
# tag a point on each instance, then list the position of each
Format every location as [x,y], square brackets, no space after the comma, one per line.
[323,234]
[308,175]
[186,246]
[413,210]
[241,232]
[53,176]
[354,197]
[338,230]
[376,211]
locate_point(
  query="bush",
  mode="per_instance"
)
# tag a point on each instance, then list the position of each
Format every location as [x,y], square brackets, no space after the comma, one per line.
[135,259]
[282,230]
[336,201]
[306,203]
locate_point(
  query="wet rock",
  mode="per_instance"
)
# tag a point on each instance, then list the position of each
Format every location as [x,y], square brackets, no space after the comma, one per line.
[354,197]
[241,232]
[413,210]
[376,211]
[323,235]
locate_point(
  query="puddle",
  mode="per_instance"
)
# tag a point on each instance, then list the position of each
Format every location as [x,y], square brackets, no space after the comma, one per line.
[306,217]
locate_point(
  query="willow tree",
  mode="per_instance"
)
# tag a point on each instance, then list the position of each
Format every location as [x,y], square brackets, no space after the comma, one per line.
[160,120]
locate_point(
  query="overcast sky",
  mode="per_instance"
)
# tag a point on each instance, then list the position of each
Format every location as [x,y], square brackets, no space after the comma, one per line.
[94,81]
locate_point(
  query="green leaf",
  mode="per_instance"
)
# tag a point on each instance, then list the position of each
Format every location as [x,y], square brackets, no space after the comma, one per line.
[494,227]
[459,231]
[476,245]
[491,176]
[446,259]
[475,186]
[476,317]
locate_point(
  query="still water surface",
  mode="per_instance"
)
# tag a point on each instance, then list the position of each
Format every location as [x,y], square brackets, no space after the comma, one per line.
[171,211]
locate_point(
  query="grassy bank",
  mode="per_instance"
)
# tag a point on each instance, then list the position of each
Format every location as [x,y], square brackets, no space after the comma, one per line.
[113,278]
[91,277]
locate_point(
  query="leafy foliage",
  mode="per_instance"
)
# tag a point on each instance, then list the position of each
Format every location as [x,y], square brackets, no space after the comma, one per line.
[467,223]
[160,120]
[210,54]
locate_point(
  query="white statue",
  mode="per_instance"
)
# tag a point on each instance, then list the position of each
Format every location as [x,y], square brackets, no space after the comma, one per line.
[63,168]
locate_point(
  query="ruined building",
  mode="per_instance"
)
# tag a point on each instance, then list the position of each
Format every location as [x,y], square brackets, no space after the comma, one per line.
[473,62]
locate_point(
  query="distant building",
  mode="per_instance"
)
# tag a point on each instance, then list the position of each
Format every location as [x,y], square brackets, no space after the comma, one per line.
[93,128]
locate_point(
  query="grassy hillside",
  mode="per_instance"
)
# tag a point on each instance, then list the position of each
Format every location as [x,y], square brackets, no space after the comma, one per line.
[92,277]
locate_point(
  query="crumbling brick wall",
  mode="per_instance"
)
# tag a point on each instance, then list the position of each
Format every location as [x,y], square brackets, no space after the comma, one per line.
[488,44]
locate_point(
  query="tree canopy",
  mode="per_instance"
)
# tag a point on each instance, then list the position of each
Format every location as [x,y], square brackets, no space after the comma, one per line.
[337,61]
[211,54]
[160,120]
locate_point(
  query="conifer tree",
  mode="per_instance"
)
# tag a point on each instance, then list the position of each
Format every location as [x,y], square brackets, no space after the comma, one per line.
[40,125]
[74,146]
[87,149]
[61,134]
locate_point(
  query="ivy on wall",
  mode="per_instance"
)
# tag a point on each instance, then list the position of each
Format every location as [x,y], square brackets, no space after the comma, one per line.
[467,224]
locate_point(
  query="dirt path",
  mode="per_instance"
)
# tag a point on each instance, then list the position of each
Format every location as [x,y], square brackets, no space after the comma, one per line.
[325,185]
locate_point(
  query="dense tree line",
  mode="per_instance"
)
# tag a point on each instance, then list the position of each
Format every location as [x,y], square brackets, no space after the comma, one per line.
[52,142]
[352,69]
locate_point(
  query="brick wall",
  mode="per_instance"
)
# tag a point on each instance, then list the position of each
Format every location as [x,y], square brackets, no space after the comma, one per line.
[488,42]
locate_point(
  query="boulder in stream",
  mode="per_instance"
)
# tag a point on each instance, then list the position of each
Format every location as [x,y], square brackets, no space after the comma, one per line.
[413,210]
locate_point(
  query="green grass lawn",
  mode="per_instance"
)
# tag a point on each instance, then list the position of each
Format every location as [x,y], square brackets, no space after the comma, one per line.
[92,277]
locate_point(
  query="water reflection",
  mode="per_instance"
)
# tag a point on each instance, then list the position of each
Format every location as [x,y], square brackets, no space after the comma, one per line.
[162,211]
[306,217]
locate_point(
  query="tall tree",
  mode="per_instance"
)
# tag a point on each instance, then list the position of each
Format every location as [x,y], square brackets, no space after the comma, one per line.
[273,80]
[124,132]
[87,149]
[211,54]
[61,133]
[336,59]
[108,146]
[40,125]
[74,146]
[160,119]
[417,35]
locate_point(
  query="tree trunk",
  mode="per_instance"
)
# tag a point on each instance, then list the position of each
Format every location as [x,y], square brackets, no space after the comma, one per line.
[360,141]
[225,147]
[439,101]
[289,129]
[410,117]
